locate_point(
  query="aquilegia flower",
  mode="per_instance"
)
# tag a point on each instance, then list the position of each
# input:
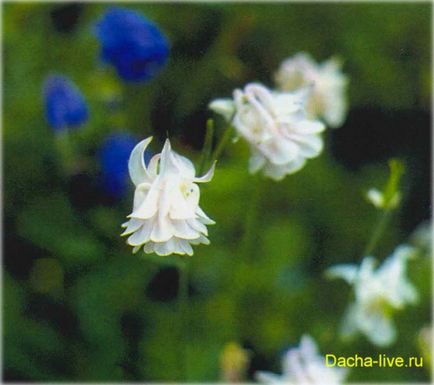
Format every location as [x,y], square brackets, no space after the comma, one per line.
[328,97]
[132,44]
[166,217]
[378,292]
[113,156]
[65,106]
[304,365]
[275,125]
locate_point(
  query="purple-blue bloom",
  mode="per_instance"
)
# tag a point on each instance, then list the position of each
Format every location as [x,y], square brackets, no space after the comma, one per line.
[65,106]
[131,43]
[113,156]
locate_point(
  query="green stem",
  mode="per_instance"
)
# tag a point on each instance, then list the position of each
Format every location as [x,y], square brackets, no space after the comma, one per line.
[206,150]
[247,253]
[183,319]
[381,225]
[222,143]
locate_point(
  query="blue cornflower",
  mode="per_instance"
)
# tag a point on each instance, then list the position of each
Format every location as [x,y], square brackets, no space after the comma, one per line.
[132,44]
[65,106]
[113,156]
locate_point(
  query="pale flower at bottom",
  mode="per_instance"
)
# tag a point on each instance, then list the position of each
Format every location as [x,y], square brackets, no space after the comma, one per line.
[378,293]
[166,217]
[303,365]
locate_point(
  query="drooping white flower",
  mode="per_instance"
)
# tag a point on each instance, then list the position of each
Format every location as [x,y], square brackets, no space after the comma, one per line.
[422,237]
[378,200]
[166,217]
[304,366]
[328,98]
[275,125]
[378,292]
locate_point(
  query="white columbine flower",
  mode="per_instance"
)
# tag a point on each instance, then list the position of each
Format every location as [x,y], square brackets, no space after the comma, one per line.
[422,237]
[275,125]
[328,98]
[378,292]
[304,366]
[166,217]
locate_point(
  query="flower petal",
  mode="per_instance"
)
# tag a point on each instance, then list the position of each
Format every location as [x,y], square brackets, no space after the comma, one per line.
[208,176]
[136,163]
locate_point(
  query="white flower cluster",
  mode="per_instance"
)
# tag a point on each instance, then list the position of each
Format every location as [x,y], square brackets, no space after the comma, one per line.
[327,99]
[275,125]
[378,292]
[281,125]
[304,365]
[166,217]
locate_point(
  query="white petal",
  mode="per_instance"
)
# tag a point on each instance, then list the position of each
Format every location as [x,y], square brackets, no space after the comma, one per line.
[198,226]
[295,367]
[256,161]
[309,146]
[132,225]
[208,176]
[279,152]
[201,240]
[149,205]
[185,245]
[153,166]
[163,229]
[309,127]
[172,246]
[185,166]
[182,207]
[296,165]
[308,348]
[349,325]
[166,162]
[183,230]
[269,378]
[165,248]
[224,107]
[149,248]
[375,197]
[378,328]
[276,172]
[136,163]
[347,272]
[203,217]
[142,235]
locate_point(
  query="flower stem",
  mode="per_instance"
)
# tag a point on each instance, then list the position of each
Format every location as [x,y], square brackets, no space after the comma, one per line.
[183,318]
[206,150]
[222,143]
[247,251]
[391,199]
[376,235]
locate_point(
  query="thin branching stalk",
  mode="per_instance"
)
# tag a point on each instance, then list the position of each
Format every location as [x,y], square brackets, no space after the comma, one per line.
[380,227]
[227,135]
[207,146]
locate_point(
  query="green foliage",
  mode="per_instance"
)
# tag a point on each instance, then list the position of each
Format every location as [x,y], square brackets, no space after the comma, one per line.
[260,282]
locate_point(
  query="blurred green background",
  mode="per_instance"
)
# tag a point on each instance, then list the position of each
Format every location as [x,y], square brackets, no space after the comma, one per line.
[78,306]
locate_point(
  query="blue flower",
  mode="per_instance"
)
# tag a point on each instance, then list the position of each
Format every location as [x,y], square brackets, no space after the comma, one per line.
[113,156]
[65,106]
[132,44]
